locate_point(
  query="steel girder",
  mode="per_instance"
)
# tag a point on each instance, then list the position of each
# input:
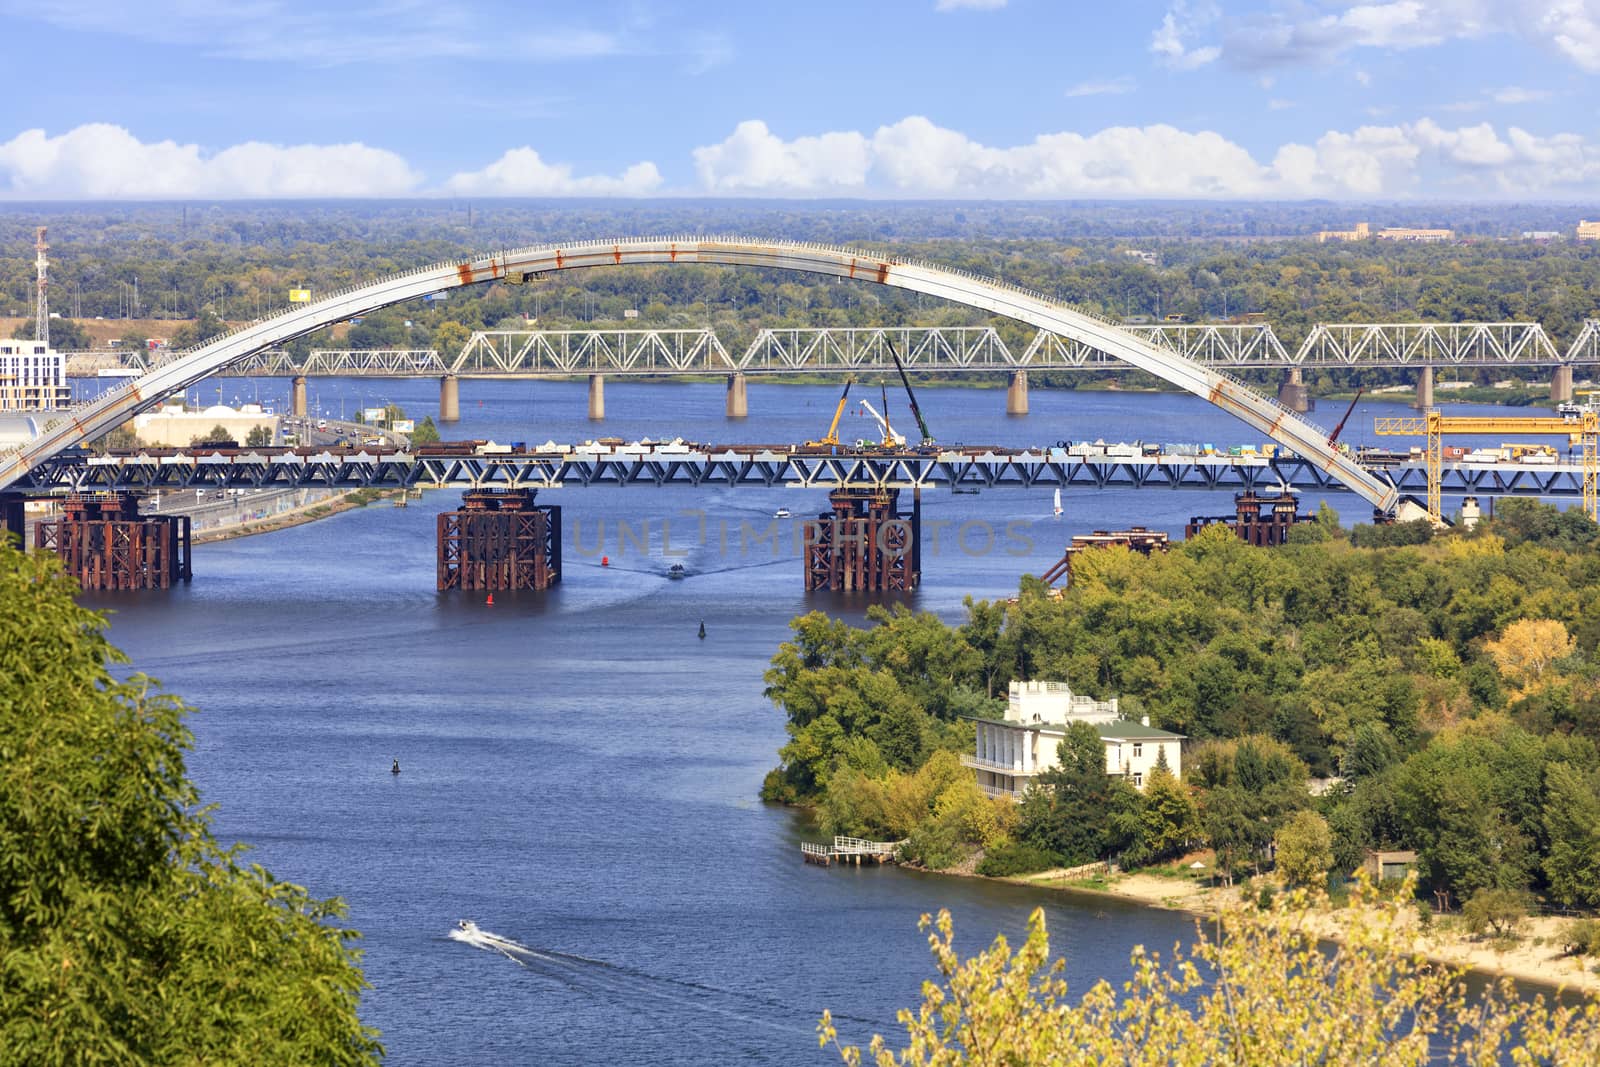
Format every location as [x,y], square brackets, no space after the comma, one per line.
[563,352]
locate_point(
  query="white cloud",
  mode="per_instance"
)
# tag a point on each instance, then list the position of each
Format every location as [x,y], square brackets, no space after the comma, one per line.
[101,161]
[754,159]
[1112,87]
[520,172]
[1516,94]
[915,157]
[1318,31]
[1181,22]
[1279,105]
[968,5]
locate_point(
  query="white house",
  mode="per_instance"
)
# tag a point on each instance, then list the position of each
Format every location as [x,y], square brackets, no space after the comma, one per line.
[1011,753]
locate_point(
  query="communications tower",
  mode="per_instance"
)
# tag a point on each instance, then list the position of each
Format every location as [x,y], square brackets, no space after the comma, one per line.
[41,326]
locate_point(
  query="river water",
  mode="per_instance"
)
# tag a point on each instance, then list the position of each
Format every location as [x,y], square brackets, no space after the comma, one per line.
[579,770]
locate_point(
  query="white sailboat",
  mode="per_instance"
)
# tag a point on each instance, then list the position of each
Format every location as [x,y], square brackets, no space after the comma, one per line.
[1058,503]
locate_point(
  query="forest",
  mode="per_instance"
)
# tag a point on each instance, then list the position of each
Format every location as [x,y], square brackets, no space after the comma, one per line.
[1441,695]
[207,265]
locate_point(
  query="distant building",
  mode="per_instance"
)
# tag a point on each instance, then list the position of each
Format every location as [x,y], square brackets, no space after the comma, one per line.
[173,426]
[1588,231]
[1382,865]
[1541,235]
[33,377]
[1364,230]
[1147,258]
[1012,753]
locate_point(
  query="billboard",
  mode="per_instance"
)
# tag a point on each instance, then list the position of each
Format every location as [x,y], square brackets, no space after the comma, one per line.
[404,426]
[299,296]
[374,414]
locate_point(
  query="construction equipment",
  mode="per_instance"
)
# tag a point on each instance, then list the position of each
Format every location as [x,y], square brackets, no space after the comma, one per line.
[892,438]
[927,438]
[1333,438]
[832,439]
[1582,430]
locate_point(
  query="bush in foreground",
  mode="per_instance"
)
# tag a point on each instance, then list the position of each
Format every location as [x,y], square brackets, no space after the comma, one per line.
[127,934]
[1256,988]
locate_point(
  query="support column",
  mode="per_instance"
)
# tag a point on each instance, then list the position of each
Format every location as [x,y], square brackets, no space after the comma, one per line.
[597,396]
[297,397]
[449,398]
[738,405]
[1292,393]
[1424,389]
[1017,393]
[13,518]
[1561,384]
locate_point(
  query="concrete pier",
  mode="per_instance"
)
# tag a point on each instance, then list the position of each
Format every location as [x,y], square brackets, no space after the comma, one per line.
[1424,389]
[297,397]
[1561,384]
[738,404]
[597,396]
[1017,393]
[1292,393]
[449,398]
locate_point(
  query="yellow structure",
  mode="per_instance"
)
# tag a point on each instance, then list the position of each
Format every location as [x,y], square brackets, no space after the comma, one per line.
[1588,231]
[1584,429]
[1364,230]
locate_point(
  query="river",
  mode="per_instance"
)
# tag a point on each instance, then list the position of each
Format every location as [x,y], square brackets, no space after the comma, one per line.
[579,770]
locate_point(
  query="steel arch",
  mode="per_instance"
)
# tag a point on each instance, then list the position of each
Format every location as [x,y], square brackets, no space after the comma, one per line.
[181,369]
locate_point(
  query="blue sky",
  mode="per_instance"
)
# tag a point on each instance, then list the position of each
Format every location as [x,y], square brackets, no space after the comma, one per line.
[1448,99]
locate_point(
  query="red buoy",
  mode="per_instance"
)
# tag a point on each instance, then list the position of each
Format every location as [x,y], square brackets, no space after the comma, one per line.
[490,601]
[605,561]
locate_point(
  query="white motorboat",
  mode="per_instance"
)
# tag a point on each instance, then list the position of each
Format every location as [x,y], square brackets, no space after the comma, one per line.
[781,513]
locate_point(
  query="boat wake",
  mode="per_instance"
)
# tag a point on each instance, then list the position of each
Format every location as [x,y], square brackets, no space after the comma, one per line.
[598,978]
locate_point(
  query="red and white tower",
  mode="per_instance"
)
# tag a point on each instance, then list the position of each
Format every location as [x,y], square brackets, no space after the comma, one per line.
[41,326]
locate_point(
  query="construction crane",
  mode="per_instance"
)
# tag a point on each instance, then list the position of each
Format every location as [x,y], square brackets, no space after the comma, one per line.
[1583,430]
[892,438]
[832,439]
[927,438]
[1333,438]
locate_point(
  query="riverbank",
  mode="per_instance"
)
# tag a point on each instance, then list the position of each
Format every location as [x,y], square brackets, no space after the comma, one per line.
[1536,957]
[320,509]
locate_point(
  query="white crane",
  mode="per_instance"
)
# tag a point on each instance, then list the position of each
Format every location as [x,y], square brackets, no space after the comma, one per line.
[889,433]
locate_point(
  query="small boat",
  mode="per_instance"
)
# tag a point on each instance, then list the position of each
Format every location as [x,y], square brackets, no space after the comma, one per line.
[965,492]
[1058,503]
[781,513]
[677,571]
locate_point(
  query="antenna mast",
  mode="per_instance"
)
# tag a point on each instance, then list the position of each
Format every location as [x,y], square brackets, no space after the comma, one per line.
[41,325]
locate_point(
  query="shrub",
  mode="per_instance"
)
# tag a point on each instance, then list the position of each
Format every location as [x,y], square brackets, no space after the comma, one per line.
[1016,857]
[1583,937]
[1498,912]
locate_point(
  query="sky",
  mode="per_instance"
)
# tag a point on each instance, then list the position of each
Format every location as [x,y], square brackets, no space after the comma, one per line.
[887,99]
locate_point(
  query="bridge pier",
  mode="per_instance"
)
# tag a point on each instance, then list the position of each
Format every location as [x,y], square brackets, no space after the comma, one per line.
[449,398]
[865,544]
[499,540]
[1561,384]
[105,543]
[1292,393]
[738,404]
[1424,389]
[1017,393]
[13,518]
[297,396]
[597,396]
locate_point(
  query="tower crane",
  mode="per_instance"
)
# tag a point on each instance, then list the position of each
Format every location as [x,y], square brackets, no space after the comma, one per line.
[1584,430]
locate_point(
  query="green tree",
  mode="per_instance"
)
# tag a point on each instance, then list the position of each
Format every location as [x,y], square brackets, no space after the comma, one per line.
[1168,819]
[1304,849]
[1572,825]
[1496,912]
[259,436]
[127,934]
[426,432]
[217,435]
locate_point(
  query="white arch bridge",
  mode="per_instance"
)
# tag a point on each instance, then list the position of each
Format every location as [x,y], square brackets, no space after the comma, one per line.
[182,369]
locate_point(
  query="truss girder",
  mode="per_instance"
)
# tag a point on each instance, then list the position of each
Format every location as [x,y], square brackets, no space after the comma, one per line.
[564,352]
[1405,344]
[868,349]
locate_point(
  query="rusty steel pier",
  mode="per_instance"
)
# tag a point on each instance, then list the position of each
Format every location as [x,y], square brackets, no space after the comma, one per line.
[500,540]
[105,543]
[865,543]
[1259,519]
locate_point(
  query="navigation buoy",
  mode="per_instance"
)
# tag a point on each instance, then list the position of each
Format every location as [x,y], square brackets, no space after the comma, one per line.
[396,768]
[605,561]
[489,602]
[702,629]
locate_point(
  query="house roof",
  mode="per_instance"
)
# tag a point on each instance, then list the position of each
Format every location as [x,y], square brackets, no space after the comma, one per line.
[1125,730]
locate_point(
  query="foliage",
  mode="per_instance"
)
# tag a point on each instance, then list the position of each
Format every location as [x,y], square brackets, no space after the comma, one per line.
[1260,989]
[1527,649]
[258,436]
[1304,849]
[1571,818]
[217,435]
[1015,857]
[127,934]
[426,433]
[1583,937]
[1498,912]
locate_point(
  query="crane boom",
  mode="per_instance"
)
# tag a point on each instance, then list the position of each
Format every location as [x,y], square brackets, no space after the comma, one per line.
[891,436]
[832,439]
[922,424]
[1333,438]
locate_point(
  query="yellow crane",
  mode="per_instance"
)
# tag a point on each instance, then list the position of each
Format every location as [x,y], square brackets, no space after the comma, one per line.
[1584,430]
[832,440]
